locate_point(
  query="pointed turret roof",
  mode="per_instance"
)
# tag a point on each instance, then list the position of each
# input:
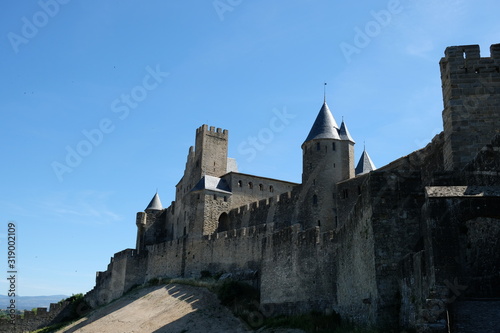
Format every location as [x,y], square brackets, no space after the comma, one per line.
[155,204]
[365,164]
[344,132]
[325,126]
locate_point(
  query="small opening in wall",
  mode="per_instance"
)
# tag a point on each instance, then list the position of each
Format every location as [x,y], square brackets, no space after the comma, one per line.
[215,196]
[318,146]
[315,199]
[225,199]
[333,146]
[240,184]
[319,223]
[261,187]
[250,185]
[271,188]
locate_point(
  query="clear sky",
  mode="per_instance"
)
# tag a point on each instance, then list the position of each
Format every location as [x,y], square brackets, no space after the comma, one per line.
[100,101]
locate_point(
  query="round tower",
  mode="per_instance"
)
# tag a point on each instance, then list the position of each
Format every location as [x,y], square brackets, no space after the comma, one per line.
[327,158]
[326,150]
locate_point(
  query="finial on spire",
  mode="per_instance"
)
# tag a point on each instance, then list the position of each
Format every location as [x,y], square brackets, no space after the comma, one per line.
[324,93]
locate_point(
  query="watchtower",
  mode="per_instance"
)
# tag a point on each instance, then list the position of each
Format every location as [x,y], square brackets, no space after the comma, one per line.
[471,96]
[327,158]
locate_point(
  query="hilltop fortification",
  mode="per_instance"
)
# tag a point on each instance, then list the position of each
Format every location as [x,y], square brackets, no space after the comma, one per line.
[398,247]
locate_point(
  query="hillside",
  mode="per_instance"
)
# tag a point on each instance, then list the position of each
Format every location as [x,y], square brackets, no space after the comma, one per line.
[172,308]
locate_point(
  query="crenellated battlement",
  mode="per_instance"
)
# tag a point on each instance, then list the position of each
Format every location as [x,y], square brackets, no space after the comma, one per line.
[33,320]
[467,62]
[128,253]
[470,52]
[212,130]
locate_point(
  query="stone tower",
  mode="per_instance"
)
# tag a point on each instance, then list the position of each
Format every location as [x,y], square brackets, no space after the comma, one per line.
[147,224]
[196,198]
[207,158]
[327,158]
[471,95]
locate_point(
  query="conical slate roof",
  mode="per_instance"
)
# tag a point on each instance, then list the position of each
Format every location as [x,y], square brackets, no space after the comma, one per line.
[155,204]
[365,164]
[325,126]
[344,133]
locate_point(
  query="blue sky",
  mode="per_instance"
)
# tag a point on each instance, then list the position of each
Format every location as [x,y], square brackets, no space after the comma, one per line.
[101,99]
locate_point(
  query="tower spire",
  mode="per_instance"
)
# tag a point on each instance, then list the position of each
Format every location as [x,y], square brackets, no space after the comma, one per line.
[324,93]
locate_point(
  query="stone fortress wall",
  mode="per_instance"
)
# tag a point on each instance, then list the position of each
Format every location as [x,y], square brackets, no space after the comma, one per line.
[380,251]
[33,320]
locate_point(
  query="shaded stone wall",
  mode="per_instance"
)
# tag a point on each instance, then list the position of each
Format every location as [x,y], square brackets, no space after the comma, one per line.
[298,272]
[125,270]
[357,292]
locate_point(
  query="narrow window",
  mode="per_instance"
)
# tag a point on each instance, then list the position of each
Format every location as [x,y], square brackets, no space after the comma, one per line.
[225,199]
[333,145]
[315,199]
[239,183]
[261,187]
[319,223]
[215,196]
[271,188]
[250,185]
[318,146]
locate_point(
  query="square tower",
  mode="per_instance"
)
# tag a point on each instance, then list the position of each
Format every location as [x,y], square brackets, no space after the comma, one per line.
[471,96]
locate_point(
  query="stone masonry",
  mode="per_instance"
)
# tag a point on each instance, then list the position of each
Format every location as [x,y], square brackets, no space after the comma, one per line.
[397,248]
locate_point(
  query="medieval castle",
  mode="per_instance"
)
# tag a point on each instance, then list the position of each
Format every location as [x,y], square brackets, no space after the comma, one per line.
[402,246]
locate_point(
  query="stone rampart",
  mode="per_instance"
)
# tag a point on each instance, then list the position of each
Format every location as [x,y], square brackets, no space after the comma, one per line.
[33,320]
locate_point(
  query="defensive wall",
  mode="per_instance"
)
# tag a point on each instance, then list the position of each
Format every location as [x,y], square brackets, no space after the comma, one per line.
[33,320]
[400,238]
